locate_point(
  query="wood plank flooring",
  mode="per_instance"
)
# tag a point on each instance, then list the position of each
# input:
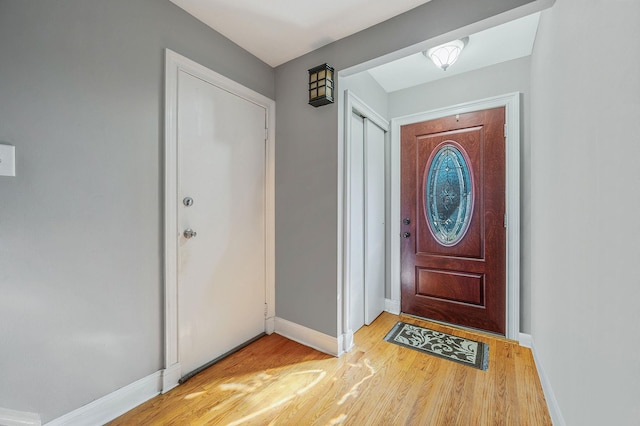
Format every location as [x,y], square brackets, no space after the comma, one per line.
[275,381]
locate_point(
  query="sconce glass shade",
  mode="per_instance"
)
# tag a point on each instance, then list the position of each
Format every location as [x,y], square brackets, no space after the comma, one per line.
[321,85]
[446,54]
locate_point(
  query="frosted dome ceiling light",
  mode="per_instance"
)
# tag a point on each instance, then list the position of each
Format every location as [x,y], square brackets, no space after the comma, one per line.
[446,54]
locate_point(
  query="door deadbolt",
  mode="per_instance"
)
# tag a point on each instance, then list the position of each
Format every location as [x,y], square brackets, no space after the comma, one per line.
[406,234]
[406,221]
[188,201]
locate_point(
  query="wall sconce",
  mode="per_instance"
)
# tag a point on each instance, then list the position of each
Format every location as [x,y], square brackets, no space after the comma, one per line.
[321,85]
[446,54]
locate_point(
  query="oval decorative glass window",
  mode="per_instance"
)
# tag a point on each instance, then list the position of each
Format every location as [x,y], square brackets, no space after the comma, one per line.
[448,194]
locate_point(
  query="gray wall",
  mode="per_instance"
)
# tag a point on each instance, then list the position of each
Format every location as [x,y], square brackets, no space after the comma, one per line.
[507,77]
[307,157]
[499,79]
[81,98]
[365,87]
[585,201]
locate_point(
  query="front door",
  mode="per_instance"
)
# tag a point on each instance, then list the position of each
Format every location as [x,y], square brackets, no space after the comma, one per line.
[221,219]
[453,258]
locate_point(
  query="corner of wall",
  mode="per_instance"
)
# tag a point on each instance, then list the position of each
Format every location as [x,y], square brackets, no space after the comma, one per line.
[392,306]
[526,340]
[114,404]
[308,337]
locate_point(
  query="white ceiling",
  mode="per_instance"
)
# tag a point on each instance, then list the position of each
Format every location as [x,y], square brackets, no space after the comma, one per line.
[277,31]
[505,42]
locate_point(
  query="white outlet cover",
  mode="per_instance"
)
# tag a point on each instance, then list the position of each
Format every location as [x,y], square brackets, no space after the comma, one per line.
[7,160]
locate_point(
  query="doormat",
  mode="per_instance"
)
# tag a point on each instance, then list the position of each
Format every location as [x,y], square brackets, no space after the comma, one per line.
[443,345]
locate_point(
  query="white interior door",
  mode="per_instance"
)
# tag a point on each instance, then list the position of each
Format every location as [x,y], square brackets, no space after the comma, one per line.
[374,220]
[366,222]
[221,270]
[356,223]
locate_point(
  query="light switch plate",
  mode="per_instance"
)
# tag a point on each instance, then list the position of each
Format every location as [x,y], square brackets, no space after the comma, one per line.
[7,160]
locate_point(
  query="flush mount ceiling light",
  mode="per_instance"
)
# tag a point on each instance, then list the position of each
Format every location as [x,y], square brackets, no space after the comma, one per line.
[446,54]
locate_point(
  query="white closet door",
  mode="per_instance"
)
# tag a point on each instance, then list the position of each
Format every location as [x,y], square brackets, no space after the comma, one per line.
[356,224]
[374,220]
[366,222]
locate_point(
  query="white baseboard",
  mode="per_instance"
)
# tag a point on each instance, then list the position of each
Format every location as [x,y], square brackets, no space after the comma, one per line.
[345,342]
[18,418]
[526,340]
[170,377]
[114,404]
[270,325]
[307,336]
[392,306]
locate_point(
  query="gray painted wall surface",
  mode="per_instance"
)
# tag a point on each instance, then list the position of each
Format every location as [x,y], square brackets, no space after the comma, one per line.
[508,77]
[585,199]
[81,98]
[307,158]
[365,87]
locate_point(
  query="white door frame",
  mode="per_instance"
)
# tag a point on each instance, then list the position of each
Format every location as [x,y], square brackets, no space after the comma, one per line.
[174,63]
[511,102]
[353,104]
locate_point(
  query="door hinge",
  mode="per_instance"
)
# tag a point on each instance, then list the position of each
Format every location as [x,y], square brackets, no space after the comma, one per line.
[266,134]
[505,220]
[266,310]
[505,131]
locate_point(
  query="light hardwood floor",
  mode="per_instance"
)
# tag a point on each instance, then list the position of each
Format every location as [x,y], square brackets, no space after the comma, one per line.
[275,381]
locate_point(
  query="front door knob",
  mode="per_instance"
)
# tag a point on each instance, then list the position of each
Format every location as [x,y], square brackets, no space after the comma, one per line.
[189,233]
[406,235]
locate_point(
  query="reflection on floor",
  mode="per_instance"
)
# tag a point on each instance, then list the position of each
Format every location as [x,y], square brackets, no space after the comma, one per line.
[275,381]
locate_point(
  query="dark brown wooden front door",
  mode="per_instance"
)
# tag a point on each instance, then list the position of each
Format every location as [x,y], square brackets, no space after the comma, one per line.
[453,211]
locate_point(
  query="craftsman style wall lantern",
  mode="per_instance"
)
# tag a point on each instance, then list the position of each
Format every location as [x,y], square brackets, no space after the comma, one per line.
[321,85]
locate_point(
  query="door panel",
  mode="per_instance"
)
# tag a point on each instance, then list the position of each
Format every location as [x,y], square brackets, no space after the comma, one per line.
[356,224]
[453,255]
[366,222]
[448,285]
[221,271]
[375,271]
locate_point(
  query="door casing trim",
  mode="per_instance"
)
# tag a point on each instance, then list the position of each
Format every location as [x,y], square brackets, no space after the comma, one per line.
[511,102]
[174,63]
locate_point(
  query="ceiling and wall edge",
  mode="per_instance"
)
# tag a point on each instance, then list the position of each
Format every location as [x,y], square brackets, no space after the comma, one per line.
[532,7]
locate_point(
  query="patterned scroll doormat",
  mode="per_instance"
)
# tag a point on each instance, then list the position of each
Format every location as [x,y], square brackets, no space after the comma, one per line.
[443,345]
